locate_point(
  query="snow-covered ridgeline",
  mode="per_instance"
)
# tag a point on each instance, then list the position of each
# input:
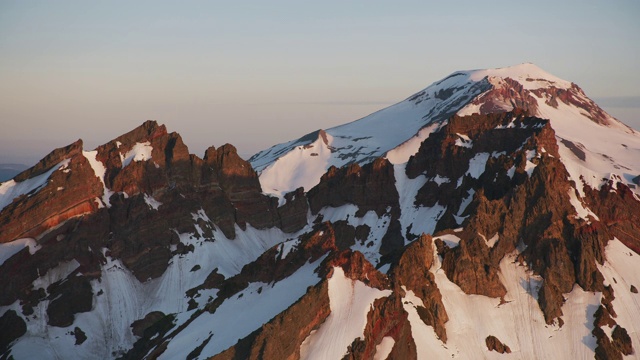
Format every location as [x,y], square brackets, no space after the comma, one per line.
[397,126]
[398,130]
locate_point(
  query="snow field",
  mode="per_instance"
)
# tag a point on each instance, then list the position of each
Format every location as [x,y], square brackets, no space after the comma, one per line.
[384,348]
[396,131]
[139,152]
[350,302]
[518,323]
[124,299]
[621,270]
[241,314]
[302,166]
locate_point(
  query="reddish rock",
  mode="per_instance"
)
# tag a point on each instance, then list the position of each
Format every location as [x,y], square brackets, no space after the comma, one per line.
[68,193]
[356,267]
[533,209]
[619,212]
[621,340]
[412,271]
[467,265]
[494,344]
[52,159]
[387,317]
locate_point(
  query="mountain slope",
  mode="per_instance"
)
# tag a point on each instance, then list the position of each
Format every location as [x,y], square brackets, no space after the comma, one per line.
[397,131]
[483,230]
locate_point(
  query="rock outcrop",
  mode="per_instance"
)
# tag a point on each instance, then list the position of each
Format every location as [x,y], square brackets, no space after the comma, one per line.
[12,327]
[412,272]
[494,344]
[370,187]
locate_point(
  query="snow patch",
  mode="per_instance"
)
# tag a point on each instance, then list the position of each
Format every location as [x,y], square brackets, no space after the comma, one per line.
[401,153]
[421,219]
[384,348]
[440,179]
[529,166]
[582,211]
[139,152]
[153,203]
[464,141]
[287,246]
[492,241]
[350,302]
[518,322]
[100,170]
[303,167]
[477,164]
[449,239]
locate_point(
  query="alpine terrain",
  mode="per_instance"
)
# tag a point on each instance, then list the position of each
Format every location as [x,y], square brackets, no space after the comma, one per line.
[493,215]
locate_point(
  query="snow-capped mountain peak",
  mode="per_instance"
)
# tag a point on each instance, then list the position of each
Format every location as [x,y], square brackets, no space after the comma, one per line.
[530,76]
[397,131]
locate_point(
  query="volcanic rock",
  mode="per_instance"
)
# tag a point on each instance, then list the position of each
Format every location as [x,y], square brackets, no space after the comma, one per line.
[494,344]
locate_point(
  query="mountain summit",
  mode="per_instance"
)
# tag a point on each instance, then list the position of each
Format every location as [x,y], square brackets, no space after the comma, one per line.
[494,214]
[396,132]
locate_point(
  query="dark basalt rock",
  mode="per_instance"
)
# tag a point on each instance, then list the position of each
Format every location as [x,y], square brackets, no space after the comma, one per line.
[370,187]
[293,214]
[12,327]
[68,297]
[80,336]
[240,182]
[392,241]
[139,327]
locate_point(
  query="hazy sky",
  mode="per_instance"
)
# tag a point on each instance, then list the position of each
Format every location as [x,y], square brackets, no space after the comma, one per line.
[256,73]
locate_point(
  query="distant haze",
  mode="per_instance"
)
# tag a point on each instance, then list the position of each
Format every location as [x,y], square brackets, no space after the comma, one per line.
[259,73]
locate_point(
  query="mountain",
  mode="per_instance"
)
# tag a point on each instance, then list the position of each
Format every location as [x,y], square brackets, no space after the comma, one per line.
[397,131]
[494,214]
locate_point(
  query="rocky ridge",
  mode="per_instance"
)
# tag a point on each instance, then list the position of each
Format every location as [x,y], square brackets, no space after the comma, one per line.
[151,248]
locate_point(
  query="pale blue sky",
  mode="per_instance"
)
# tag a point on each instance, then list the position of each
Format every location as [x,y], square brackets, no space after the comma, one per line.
[258,73]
